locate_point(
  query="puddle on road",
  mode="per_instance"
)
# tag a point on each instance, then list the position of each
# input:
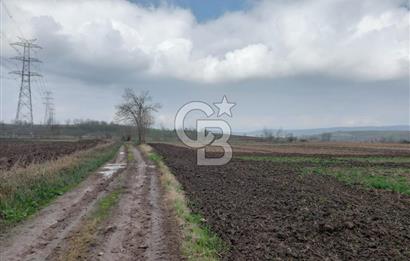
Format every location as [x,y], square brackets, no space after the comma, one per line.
[109,169]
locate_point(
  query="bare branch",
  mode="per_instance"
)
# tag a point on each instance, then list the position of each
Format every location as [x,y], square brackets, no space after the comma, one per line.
[137,110]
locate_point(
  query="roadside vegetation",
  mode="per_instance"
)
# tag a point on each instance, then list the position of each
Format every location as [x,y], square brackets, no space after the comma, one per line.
[23,191]
[85,236]
[369,172]
[198,241]
[80,243]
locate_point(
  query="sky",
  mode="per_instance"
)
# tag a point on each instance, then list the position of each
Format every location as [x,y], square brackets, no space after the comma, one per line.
[286,64]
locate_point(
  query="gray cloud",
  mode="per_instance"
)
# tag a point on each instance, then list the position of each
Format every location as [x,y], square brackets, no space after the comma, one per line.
[118,40]
[287,63]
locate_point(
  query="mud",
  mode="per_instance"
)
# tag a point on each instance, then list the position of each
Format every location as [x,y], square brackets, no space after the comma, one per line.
[140,227]
[266,211]
[36,239]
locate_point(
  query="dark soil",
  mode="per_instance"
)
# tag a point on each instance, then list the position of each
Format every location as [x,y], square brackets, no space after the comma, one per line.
[266,211]
[22,153]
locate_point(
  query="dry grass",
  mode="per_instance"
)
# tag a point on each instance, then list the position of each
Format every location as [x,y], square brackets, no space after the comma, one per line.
[198,243]
[19,177]
[24,190]
[79,244]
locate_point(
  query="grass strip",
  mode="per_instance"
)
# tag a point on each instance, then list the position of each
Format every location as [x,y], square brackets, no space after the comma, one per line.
[25,191]
[392,179]
[368,177]
[79,244]
[326,160]
[198,241]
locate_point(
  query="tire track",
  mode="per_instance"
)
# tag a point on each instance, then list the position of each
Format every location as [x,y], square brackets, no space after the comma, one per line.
[39,237]
[137,230]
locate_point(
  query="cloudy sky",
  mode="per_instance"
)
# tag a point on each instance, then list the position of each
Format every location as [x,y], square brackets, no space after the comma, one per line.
[289,64]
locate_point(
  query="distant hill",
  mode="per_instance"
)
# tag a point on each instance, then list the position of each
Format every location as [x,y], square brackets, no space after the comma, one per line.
[396,133]
[378,136]
[317,131]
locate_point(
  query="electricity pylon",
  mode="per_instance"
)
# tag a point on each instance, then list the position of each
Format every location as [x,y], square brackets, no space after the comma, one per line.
[49,108]
[24,112]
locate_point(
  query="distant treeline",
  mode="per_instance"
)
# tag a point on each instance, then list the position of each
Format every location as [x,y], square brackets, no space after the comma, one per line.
[83,129]
[90,129]
[365,136]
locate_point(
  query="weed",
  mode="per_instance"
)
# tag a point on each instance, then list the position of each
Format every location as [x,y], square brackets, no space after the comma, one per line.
[393,179]
[199,242]
[130,154]
[25,191]
[80,243]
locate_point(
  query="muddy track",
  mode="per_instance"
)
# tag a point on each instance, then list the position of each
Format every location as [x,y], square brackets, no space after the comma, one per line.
[139,228]
[37,238]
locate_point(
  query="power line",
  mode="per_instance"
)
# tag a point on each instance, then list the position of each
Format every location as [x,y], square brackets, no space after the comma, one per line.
[12,18]
[27,59]
[6,63]
[24,107]
[7,77]
[49,109]
[41,82]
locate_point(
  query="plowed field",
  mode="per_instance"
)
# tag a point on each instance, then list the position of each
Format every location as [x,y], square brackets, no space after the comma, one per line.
[23,153]
[269,209]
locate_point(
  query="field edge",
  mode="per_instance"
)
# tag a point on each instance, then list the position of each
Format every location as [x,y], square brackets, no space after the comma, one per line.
[198,241]
[47,181]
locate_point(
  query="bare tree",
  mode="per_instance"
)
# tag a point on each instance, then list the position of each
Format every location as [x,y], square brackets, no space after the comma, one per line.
[267,134]
[137,110]
[326,136]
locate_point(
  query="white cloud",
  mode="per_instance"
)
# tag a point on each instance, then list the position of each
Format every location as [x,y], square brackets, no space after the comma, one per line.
[111,41]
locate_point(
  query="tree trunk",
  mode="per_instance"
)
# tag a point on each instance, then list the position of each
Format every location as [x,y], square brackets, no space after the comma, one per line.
[140,139]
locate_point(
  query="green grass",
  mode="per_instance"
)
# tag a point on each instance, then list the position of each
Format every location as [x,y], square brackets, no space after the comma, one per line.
[155,157]
[389,179]
[199,242]
[130,154]
[376,159]
[80,243]
[33,188]
[327,160]
[105,205]
[282,159]
[375,177]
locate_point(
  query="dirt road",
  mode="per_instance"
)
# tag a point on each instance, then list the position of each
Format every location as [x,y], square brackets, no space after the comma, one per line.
[138,228]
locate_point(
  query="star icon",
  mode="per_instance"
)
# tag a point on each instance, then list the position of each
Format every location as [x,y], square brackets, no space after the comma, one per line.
[225,107]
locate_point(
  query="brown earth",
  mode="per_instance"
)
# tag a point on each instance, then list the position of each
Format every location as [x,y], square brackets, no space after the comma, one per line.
[327,148]
[316,148]
[22,153]
[140,227]
[266,211]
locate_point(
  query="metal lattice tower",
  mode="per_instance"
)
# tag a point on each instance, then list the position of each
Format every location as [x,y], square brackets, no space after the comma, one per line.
[49,108]
[24,112]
